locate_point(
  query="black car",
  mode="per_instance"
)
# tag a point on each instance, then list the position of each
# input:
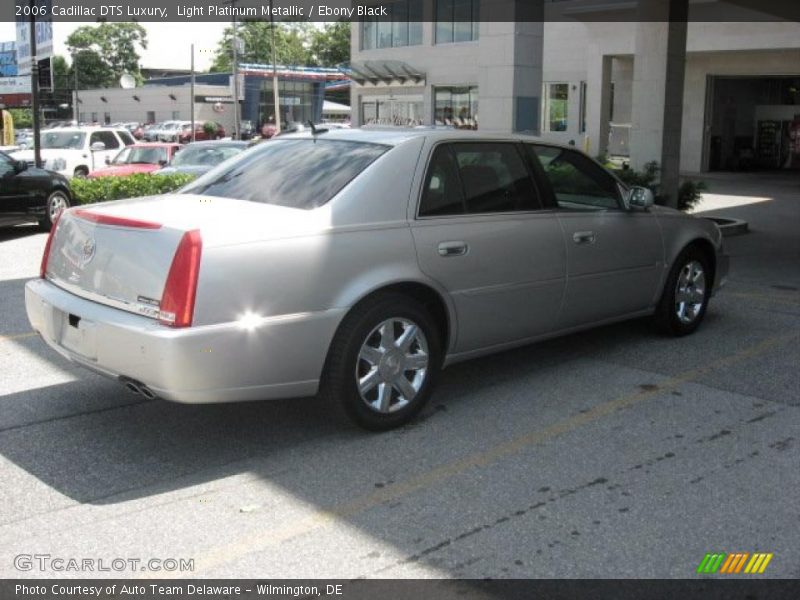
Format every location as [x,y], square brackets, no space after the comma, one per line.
[30,195]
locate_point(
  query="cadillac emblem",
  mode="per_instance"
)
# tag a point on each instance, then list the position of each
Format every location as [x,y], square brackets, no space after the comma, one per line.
[87,251]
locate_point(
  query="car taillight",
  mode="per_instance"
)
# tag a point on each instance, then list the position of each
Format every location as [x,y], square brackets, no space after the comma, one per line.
[177,301]
[50,236]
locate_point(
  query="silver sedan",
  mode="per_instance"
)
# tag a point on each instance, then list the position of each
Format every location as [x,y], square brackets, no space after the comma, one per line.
[358,263]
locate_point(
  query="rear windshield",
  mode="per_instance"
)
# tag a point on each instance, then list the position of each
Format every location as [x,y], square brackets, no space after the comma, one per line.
[296,173]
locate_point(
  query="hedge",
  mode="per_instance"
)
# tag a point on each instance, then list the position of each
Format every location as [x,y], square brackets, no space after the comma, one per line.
[103,189]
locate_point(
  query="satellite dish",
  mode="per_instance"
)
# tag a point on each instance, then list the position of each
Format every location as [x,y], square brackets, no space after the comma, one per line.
[127,81]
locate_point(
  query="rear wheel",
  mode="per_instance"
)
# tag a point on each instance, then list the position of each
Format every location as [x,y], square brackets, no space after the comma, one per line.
[383,362]
[56,202]
[686,293]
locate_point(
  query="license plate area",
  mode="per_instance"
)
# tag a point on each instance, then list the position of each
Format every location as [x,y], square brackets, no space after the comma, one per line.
[76,334]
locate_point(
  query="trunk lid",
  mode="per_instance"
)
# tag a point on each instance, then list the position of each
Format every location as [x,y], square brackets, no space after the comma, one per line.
[120,253]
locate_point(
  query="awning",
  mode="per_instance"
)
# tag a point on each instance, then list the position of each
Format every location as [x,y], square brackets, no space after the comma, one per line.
[386,73]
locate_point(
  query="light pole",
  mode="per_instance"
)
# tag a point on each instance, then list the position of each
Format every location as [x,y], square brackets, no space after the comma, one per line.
[37,151]
[275,96]
[235,69]
[191,95]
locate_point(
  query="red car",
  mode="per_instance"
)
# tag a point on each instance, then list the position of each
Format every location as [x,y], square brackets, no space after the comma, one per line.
[140,158]
[200,133]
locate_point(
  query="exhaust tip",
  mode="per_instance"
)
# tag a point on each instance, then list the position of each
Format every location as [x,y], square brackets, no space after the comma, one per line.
[138,388]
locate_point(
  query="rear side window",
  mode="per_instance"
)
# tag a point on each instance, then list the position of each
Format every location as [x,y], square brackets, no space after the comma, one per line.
[477,178]
[578,182]
[295,173]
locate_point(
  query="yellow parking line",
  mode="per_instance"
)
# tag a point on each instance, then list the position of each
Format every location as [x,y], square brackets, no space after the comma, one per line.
[17,336]
[251,543]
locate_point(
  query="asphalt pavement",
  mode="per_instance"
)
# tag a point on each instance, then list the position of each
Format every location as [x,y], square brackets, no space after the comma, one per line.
[611,453]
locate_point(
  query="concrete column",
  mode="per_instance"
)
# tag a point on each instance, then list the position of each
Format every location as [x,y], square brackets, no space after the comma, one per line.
[510,67]
[598,101]
[658,77]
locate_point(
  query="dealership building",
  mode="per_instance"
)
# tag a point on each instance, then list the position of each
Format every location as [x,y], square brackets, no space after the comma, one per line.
[301,93]
[593,76]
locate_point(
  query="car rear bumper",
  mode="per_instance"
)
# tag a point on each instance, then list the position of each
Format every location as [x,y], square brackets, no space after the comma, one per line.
[277,357]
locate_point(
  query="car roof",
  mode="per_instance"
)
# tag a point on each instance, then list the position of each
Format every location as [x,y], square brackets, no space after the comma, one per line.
[81,129]
[394,136]
[229,143]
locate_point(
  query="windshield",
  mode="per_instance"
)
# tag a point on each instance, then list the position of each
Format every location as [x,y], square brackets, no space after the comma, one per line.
[63,139]
[207,156]
[139,155]
[296,173]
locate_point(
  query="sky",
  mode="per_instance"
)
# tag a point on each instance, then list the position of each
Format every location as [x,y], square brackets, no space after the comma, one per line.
[165,49]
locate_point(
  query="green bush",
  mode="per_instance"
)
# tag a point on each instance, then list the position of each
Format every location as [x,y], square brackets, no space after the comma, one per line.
[103,189]
[210,129]
[688,194]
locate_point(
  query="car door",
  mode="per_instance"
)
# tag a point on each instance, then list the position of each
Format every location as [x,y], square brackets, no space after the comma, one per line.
[481,233]
[112,146]
[12,195]
[614,255]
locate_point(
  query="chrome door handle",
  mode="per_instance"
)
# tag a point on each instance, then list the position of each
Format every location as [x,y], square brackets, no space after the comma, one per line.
[583,237]
[453,248]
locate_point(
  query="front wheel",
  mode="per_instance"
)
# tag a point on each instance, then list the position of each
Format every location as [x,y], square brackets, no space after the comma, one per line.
[383,362]
[56,202]
[686,293]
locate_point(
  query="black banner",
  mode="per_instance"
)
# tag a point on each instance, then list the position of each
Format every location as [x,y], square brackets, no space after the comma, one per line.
[187,11]
[734,588]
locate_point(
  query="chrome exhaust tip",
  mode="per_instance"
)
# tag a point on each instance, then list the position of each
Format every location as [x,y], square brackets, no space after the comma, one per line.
[138,388]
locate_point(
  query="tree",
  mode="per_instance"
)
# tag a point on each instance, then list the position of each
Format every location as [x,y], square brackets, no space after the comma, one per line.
[23,117]
[291,44]
[330,46]
[104,52]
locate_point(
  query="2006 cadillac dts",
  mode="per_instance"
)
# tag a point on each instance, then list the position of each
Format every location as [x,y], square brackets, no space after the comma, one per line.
[358,263]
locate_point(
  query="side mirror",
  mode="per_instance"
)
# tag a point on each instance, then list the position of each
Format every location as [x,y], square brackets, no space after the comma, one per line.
[640,197]
[162,162]
[108,160]
[20,166]
[97,147]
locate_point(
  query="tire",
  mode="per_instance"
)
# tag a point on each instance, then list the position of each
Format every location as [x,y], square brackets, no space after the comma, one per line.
[686,293]
[359,353]
[57,201]
[81,173]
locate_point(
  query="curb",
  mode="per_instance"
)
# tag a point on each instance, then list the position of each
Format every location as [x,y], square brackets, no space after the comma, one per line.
[730,227]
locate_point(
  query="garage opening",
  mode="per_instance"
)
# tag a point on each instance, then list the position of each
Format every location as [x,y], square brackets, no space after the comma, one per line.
[752,123]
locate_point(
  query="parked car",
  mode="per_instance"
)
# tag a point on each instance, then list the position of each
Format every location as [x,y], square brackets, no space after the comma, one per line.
[183,132]
[170,131]
[152,132]
[76,151]
[30,195]
[199,157]
[141,158]
[356,264]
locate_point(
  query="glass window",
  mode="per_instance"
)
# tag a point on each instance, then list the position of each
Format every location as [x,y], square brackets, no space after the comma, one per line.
[205,154]
[127,138]
[442,193]
[296,98]
[457,20]
[401,27]
[456,106]
[406,111]
[302,173]
[556,101]
[494,178]
[107,118]
[63,139]
[577,181]
[6,165]
[151,116]
[477,178]
[107,137]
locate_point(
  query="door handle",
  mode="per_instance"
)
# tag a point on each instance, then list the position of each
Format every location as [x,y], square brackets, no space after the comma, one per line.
[453,248]
[583,237]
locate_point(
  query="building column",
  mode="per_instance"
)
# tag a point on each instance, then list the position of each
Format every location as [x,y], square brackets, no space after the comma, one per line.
[658,78]
[510,66]
[598,102]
